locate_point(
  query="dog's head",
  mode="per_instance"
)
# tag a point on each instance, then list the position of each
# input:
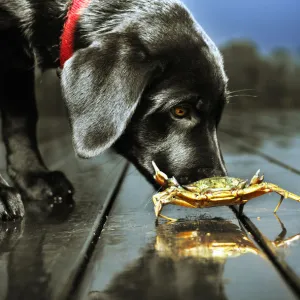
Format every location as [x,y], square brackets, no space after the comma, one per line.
[148,81]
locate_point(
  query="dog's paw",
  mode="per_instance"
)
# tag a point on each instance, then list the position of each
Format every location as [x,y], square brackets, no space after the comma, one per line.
[51,188]
[11,205]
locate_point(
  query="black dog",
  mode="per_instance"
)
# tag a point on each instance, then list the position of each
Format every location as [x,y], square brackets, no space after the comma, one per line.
[142,76]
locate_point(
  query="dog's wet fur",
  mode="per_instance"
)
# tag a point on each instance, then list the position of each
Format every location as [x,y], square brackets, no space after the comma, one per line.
[134,62]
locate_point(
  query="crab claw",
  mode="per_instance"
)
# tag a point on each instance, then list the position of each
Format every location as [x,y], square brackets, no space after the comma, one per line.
[261,178]
[243,184]
[173,181]
[160,177]
[256,178]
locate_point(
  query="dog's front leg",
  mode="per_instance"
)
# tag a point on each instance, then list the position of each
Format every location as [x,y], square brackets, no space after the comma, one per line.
[24,162]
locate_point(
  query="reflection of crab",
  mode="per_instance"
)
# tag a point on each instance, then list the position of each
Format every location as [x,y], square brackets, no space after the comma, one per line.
[225,240]
[215,191]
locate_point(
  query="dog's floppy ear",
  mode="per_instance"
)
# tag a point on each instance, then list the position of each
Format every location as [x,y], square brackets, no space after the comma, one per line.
[102,85]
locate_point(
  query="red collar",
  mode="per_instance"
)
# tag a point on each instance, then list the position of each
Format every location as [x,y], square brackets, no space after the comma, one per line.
[67,37]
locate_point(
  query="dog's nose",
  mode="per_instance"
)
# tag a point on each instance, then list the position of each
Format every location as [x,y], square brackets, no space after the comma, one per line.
[212,172]
[201,174]
[218,172]
[196,175]
[185,180]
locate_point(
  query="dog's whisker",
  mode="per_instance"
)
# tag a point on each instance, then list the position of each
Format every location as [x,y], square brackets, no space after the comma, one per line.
[239,91]
[251,96]
[148,200]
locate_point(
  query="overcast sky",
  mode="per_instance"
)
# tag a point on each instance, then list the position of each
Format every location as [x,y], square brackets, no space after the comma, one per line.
[270,23]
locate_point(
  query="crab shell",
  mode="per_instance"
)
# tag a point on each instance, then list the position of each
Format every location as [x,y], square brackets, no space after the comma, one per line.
[208,186]
[216,183]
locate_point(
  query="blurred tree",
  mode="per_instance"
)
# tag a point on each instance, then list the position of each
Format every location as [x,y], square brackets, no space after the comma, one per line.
[274,78]
[242,63]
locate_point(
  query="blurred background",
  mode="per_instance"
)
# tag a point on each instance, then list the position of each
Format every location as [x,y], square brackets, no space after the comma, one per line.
[260,41]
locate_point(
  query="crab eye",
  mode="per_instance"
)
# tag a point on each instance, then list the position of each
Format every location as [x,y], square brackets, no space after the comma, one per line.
[180,111]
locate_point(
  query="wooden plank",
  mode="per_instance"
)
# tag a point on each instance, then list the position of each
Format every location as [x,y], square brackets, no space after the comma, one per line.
[41,258]
[207,255]
[283,171]
[273,135]
[278,242]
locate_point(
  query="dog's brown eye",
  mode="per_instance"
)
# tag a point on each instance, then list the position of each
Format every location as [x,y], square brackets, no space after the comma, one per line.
[180,112]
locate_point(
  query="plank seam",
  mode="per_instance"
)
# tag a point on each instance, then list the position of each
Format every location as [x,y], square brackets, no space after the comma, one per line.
[288,275]
[101,220]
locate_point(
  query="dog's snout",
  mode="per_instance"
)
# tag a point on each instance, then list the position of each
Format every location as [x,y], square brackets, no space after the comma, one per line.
[184,180]
[219,171]
[211,172]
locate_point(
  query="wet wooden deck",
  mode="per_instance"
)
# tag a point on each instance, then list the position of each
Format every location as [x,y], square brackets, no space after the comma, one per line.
[110,248]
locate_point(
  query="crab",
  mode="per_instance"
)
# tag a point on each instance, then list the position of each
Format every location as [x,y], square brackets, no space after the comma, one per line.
[214,191]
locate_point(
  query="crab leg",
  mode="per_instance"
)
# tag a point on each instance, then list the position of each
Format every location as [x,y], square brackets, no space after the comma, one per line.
[167,218]
[257,190]
[264,188]
[256,179]
[158,205]
[279,203]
